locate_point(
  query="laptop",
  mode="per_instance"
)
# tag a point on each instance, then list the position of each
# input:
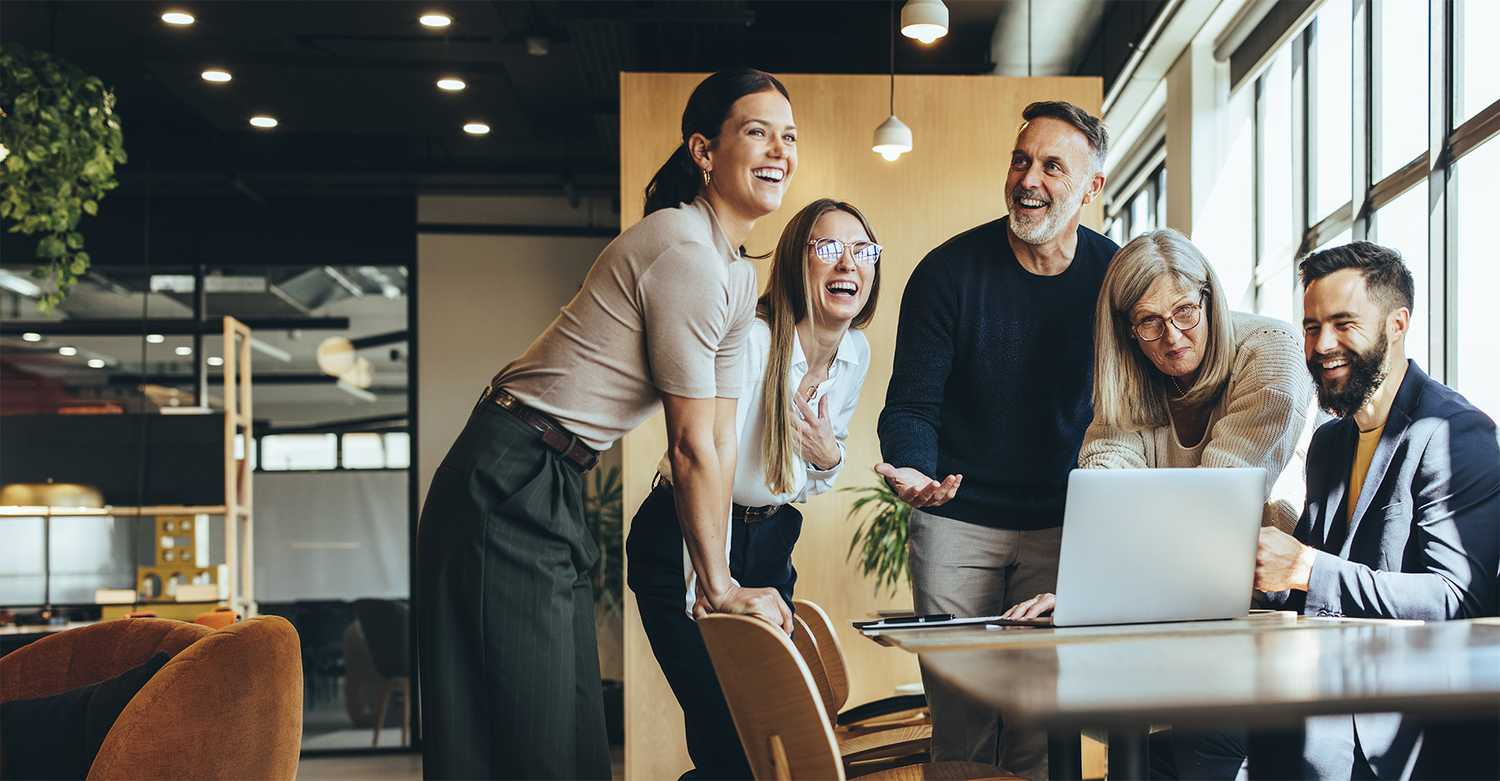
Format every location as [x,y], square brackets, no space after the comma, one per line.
[1144,545]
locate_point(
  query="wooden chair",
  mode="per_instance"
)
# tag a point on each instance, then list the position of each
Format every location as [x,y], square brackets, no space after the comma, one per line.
[779,714]
[899,742]
[384,624]
[899,712]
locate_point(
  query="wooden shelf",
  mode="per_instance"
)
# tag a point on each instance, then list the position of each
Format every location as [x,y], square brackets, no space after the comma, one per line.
[22,511]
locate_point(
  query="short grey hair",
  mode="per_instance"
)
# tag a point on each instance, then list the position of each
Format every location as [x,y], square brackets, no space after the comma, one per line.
[1130,393]
[1089,125]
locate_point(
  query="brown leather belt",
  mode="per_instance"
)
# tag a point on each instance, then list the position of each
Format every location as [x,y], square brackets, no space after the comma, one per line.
[554,436]
[738,512]
[754,514]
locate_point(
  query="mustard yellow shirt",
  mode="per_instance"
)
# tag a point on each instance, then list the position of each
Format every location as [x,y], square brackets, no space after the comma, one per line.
[1363,453]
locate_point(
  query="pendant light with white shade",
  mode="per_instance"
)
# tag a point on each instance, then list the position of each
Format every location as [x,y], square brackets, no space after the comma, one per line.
[893,137]
[924,20]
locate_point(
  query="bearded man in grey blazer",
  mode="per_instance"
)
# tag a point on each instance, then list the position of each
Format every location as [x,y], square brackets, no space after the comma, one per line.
[1402,518]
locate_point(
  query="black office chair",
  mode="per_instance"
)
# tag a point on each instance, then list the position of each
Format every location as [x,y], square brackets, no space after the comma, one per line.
[384,624]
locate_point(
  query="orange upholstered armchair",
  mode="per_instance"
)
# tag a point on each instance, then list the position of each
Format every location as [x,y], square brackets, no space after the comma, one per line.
[228,704]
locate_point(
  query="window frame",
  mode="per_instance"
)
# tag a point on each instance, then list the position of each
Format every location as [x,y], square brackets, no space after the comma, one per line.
[1447,145]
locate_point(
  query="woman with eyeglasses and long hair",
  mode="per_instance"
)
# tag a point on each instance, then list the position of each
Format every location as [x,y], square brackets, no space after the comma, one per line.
[1182,381]
[805,362]
[509,661]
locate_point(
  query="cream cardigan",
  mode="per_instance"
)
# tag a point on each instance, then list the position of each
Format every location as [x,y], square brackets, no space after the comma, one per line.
[1263,418]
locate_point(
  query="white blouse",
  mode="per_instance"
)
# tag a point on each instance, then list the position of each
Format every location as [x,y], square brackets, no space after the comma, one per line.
[845,379]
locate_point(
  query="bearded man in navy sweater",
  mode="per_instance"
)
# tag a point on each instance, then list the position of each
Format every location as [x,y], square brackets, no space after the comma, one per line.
[990,394]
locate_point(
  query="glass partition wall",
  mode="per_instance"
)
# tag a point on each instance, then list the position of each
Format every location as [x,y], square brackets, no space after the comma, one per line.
[135,347]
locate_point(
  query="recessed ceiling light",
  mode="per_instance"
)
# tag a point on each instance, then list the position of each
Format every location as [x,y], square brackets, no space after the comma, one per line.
[184,350]
[96,363]
[31,336]
[155,338]
[435,20]
[265,121]
[217,75]
[178,18]
[67,351]
[476,128]
[214,360]
[451,84]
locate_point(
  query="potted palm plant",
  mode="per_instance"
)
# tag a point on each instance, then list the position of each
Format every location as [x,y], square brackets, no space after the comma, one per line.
[603,511]
[880,537]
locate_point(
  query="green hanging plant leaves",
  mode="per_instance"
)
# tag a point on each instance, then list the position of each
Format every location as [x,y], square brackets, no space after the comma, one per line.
[60,141]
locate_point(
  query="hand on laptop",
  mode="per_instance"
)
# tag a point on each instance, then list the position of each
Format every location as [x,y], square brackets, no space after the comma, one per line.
[1036,607]
[917,489]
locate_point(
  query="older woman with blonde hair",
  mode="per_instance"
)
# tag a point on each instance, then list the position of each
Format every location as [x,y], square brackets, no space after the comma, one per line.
[1182,381]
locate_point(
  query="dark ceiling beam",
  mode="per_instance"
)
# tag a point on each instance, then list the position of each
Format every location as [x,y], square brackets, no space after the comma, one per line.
[380,340]
[334,62]
[734,14]
[332,426]
[215,379]
[165,327]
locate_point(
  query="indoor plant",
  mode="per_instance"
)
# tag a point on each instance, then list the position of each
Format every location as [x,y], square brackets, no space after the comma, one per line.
[603,510]
[62,141]
[880,537]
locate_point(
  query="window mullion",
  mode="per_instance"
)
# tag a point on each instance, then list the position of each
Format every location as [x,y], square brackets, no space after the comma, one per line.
[1301,196]
[1362,146]
[1441,257]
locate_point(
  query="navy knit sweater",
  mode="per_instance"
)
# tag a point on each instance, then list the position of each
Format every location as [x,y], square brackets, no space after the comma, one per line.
[993,376]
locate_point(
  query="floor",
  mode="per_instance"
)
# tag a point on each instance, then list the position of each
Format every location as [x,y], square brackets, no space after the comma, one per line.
[394,767]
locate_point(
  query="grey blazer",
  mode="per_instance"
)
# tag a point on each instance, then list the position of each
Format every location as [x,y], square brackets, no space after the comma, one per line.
[1424,540]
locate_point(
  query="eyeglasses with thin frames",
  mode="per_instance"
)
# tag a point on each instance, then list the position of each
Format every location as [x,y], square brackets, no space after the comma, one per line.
[865,253]
[1184,318]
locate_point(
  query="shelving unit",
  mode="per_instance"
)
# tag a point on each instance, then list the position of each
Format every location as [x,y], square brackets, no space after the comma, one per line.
[237,510]
[239,518]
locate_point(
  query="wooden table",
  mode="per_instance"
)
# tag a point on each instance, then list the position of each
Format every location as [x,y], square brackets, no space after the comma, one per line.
[1270,670]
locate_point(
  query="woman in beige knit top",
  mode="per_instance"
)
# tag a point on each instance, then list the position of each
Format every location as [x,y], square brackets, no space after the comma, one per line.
[1181,381]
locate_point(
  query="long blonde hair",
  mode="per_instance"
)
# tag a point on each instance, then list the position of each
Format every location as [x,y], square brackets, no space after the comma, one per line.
[1129,392]
[785,303]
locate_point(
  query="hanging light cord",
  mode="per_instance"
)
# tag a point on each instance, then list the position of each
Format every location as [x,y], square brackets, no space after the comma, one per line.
[893,58]
[1028,37]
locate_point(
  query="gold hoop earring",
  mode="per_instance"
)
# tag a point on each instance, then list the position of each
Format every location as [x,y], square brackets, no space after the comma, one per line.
[708,176]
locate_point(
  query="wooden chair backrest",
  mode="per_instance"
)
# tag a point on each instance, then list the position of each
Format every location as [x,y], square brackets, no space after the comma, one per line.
[777,711]
[829,649]
[807,646]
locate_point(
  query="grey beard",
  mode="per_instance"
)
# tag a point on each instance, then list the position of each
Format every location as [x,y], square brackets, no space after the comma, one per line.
[1048,227]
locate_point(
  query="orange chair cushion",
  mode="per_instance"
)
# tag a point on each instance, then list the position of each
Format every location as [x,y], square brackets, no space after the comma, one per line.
[79,657]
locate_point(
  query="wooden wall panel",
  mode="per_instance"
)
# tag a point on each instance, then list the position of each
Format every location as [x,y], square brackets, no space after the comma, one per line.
[964,128]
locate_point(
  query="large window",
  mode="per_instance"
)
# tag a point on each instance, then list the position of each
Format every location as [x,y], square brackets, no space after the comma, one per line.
[1331,107]
[1400,69]
[1478,191]
[1352,144]
[1142,209]
[1476,58]
[1402,226]
[1278,228]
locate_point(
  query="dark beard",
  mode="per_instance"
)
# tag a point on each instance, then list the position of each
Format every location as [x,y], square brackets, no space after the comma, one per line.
[1366,372]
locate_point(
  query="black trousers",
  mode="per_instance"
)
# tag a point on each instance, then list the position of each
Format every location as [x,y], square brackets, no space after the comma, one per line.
[508,657]
[760,556]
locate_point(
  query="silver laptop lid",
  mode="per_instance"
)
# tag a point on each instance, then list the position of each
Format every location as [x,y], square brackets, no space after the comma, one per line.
[1158,545]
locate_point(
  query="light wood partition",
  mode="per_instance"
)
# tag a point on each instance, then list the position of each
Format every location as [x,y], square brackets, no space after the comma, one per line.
[964,129]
